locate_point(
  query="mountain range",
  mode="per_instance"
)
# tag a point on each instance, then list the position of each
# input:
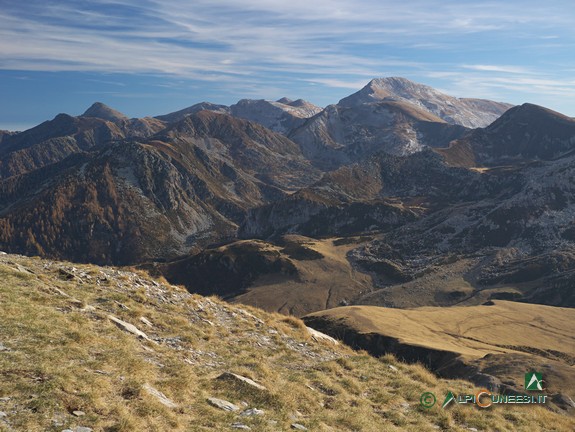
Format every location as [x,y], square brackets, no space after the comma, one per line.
[105,188]
[398,196]
[394,158]
[396,161]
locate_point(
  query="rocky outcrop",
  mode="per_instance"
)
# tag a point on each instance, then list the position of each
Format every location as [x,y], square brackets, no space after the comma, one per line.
[343,134]
[278,116]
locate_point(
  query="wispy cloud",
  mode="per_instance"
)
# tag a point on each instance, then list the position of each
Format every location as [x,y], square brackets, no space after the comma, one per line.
[182,37]
[514,85]
[499,68]
[333,43]
[337,83]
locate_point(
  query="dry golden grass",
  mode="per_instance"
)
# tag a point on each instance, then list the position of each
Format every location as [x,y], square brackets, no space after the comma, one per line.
[506,338]
[63,354]
[473,330]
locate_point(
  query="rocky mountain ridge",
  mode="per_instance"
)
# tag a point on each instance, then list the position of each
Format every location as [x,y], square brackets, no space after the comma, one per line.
[341,135]
[524,133]
[450,234]
[128,201]
[189,178]
[280,116]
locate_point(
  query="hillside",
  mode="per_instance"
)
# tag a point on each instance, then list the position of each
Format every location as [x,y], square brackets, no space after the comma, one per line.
[53,141]
[280,116]
[65,135]
[97,348]
[446,234]
[380,193]
[508,237]
[295,275]
[137,200]
[492,345]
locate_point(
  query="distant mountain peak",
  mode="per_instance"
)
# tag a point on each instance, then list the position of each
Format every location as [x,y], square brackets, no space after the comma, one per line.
[536,117]
[202,106]
[471,113]
[398,86]
[524,133]
[280,116]
[301,103]
[394,88]
[104,112]
[393,82]
[527,109]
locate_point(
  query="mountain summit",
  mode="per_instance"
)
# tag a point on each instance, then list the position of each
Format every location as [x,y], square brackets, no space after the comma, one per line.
[392,88]
[524,133]
[470,113]
[104,112]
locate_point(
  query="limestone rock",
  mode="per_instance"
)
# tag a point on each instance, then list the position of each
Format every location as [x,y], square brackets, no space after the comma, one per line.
[146,321]
[228,376]
[162,398]
[23,269]
[66,274]
[298,426]
[319,336]
[223,404]
[252,412]
[130,328]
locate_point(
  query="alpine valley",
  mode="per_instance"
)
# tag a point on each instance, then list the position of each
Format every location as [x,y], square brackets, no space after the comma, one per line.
[397,206]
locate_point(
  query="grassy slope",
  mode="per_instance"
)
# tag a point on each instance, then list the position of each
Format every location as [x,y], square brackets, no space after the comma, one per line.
[529,334]
[59,353]
[321,283]
[296,275]
[473,331]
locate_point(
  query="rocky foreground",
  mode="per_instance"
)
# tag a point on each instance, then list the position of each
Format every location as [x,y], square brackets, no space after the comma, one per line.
[88,348]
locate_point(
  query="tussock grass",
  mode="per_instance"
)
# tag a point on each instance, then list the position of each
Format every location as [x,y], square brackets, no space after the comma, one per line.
[63,354]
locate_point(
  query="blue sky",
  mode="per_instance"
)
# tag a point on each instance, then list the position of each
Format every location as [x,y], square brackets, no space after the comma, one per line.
[150,57]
